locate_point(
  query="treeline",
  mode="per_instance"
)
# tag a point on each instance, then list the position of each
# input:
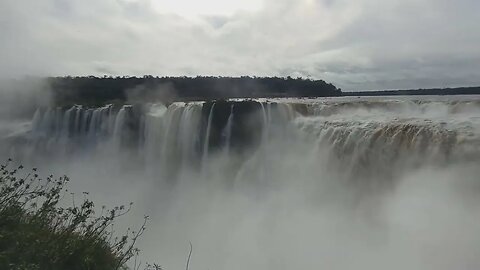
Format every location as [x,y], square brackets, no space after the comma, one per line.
[100,90]
[419,92]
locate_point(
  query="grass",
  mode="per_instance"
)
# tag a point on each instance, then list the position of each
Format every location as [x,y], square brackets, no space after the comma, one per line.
[36,232]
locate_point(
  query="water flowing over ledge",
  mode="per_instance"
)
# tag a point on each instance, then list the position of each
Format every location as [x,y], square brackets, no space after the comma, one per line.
[285,183]
[366,137]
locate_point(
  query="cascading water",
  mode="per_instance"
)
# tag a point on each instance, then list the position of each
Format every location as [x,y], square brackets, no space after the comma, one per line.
[119,127]
[206,143]
[349,183]
[356,133]
[228,131]
[188,133]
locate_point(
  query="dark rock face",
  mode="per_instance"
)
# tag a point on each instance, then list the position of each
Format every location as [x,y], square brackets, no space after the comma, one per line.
[131,131]
[246,128]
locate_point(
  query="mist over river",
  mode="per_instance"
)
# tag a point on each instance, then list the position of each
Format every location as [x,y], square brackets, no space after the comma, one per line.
[330,183]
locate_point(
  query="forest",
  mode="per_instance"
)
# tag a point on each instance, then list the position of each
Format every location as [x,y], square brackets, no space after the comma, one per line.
[419,92]
[101,90]
[21,97]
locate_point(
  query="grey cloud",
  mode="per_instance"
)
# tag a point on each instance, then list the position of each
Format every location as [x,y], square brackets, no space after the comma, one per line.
[364,44]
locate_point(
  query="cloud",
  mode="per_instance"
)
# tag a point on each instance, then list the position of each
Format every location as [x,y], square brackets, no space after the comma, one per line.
[363,44]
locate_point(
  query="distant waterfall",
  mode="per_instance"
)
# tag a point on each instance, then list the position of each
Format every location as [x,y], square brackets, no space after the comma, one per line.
[356,135]
[228,130]
[119,126]
[206,142]
[188,134]
[56,125]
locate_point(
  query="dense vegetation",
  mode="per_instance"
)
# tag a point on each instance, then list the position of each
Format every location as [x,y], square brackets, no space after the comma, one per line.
[36,232]
[20,98]
[97,91]
[417,92]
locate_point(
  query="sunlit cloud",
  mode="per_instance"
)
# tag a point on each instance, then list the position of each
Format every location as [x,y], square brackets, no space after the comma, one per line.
[189,8]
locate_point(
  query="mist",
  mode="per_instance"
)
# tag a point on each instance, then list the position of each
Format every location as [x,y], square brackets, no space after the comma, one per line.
[326,182]
[18,101]
[370,183]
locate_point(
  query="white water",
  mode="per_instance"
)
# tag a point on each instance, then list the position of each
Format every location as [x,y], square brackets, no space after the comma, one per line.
[228,131]
[206,143]
[334,183]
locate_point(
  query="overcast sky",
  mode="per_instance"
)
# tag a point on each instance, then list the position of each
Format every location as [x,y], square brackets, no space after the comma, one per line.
[355,44]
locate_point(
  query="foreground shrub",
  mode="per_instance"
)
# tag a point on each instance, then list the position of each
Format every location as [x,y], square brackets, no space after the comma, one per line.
[36,232]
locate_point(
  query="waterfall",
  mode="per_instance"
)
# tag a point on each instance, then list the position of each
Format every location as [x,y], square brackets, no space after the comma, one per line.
[206,142]
[169,158]
[119,127]
[376,173]
[66,122]
[355,135]
[265,122]
[189,133]
[228,131]
[37,120]
[263,147]
[78,117]
[58,122]
[154,124]
[87,116]
[92,130]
